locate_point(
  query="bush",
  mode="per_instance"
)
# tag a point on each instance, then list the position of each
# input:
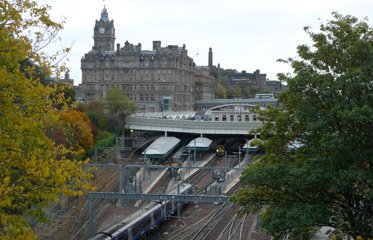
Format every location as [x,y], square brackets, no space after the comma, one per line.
[103,139]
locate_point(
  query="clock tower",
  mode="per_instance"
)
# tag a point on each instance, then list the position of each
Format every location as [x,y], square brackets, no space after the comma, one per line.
[104,33]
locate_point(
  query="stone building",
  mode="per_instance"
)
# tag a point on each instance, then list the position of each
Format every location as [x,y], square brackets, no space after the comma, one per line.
[255,79]
[149,77]
[275,86]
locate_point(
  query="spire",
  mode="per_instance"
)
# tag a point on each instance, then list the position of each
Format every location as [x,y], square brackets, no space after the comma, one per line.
[104,15]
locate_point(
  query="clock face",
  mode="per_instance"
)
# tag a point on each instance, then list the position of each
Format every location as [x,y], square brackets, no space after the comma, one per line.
[101,30]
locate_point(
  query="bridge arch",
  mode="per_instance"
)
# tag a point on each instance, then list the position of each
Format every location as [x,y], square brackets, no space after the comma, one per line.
[231,113]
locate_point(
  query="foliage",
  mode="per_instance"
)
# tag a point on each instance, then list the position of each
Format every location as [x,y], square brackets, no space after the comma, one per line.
[34,171]
[71,129]
[221,92]
[247,91]
[102,136]
[63,95]
[118,107]
[234,92]
[110,113]
[223,76]
[117,102]
[328,110]
[104,139]
[96,113]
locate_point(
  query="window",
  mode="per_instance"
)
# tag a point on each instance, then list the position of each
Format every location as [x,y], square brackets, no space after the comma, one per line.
[231,118]
[247,118]
[224,118]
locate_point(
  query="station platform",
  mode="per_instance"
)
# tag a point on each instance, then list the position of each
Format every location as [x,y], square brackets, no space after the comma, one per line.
[185,174]
[149,180]
[233,176]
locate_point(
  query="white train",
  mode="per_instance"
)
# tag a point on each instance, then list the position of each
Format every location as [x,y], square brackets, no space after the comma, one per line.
[144,220]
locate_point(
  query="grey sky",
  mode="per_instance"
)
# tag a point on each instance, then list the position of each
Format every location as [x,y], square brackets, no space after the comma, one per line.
[244,34]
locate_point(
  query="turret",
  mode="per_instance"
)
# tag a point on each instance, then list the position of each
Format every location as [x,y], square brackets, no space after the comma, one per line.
[104,33]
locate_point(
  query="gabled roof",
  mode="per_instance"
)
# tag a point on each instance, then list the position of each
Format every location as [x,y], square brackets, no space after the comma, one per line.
[161,146]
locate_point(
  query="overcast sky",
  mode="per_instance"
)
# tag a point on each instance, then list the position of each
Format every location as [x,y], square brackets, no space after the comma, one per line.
[244,34]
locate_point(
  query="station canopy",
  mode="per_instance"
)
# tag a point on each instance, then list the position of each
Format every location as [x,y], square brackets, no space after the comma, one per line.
[200,144]
[161,147]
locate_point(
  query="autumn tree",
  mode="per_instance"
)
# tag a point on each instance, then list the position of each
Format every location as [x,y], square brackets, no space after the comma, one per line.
[71,129]
[63,96]
[33,169]
[318,166]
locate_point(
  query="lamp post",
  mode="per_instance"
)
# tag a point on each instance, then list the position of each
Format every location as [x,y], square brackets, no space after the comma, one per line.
[239,157]
[195,151]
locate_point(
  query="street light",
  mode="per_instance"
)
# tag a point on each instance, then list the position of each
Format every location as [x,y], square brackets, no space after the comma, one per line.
[239,156]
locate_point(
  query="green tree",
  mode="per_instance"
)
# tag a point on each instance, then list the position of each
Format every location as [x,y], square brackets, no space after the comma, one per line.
[220,92]
[224,80]
[317,169]
[223,76]
[96,113]
[117,102]
[33,170]
[233,92]
[118,107]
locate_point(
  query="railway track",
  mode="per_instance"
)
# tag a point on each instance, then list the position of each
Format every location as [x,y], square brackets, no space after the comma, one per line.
[79,227]
[236,228]
[210,226]
[189,231]
[208,229]
[108,179]
[202,178]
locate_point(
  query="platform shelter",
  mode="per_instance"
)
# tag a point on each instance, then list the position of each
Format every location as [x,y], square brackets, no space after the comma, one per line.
[161,148]
[199,144]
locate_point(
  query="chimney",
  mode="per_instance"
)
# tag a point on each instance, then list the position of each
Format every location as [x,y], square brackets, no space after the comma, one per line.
[156,45]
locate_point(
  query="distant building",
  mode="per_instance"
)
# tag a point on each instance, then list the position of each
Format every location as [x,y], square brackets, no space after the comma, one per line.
[258,80]
[149,77]
[66,80]
[255,79]
[275,86]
